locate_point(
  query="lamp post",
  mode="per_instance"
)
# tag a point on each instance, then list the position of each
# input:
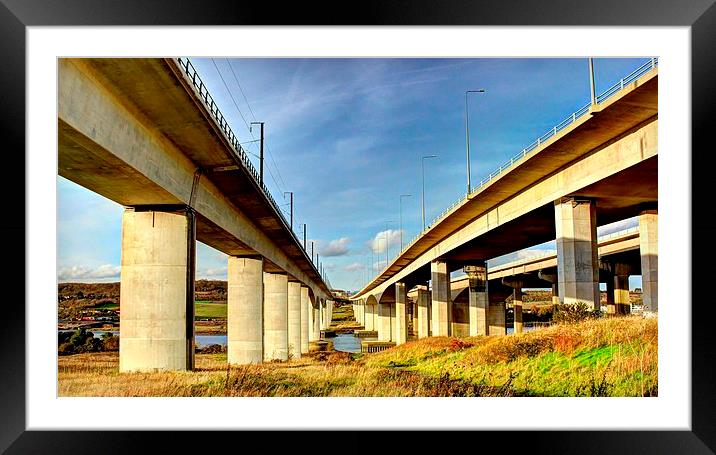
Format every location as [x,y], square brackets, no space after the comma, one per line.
[467,136]
[401,219]
[592,86]
[422,165]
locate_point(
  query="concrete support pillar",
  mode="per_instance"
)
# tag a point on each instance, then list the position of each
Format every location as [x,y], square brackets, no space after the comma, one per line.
[648,248]
[157,291]
[423,313]
[554,281]
[401,314]
[517,305]
[369,309]
[384,322]
[305,310]
[294,320]
[611,306]
[316,320]
[329,313]
[440,278]
[577,259]
[275,316]
[478,299]
[244,319]
[414,315]
[516,301]
[496,317]
[620,286]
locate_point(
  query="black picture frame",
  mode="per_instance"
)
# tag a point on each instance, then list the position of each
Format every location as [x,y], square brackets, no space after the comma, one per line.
[16,15]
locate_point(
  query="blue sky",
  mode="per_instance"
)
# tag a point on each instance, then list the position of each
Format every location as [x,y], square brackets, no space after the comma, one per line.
[346,136]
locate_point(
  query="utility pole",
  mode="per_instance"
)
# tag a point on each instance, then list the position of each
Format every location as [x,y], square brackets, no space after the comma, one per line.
[261,152]
[284,195]
[312,251]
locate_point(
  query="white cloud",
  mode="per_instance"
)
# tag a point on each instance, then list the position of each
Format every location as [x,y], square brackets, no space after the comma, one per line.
[354,267]
[79,272]
[212,273]
[378,243]
[519,255]
[338,247]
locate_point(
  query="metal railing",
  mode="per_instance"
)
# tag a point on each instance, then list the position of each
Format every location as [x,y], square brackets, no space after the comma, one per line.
[192,75]
[552,132]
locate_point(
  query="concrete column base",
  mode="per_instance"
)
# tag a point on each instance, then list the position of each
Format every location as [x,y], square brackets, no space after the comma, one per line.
[440,278]
[577,259]
[156,330]
[294,320]
[401,314]
[245,311]
[305,320]
[275,316]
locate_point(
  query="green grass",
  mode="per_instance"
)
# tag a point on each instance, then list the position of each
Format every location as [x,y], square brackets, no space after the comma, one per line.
[204,309]
[611,357]
[106,306]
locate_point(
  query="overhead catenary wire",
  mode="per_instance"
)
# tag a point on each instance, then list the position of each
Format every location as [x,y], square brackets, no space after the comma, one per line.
[253,116]
[236,105]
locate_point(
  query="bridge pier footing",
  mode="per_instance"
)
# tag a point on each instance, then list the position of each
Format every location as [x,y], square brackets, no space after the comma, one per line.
[245,311]
[157,291]
[401,314]
[423,313]
[294,320]
[440,277]
[275,316]
[648,248]
[577,258]
[305,311]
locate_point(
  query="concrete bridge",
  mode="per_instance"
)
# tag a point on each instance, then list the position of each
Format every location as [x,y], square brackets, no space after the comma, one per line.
[146,134]
[597,167]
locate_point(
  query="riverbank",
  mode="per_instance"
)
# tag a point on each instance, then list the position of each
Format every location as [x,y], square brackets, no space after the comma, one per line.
[606,357]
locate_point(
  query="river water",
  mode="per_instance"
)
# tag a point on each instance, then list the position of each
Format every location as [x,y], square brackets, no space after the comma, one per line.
[345,342]
[199,340]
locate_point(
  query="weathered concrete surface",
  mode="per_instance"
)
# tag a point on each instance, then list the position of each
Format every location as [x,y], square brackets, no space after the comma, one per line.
[275,316]
[385,332]
[608,156]
[577,256]
[156,333]
[401,315]
[316,321]
[478,312]
[440,278]
[245,311]
[648,227]
[423,313]
[305,321]
[294,319]
[496,319]
[132,131]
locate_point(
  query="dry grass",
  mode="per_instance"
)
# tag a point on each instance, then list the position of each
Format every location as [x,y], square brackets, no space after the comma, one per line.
[610,357]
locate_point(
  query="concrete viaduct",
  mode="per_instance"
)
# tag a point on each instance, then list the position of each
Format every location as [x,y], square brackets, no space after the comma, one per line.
[597,168]
[146,134]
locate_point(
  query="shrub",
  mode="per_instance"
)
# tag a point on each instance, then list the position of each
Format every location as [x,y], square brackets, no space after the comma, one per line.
[110,342]
[66,348]
[575,312]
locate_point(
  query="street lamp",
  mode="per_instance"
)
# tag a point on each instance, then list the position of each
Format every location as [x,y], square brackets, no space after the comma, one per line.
[591,82]
[422,165]
[401,219]
[467,136]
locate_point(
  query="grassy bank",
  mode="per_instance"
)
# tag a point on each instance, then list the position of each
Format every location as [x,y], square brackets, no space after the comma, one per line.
[610,357]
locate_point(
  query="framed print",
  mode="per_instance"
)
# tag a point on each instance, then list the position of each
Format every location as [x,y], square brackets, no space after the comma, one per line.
[204,152]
